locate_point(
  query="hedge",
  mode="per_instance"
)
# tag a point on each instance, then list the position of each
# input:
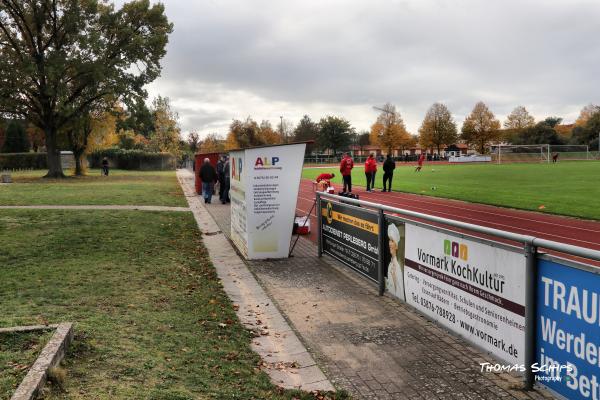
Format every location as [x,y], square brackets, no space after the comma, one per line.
[23,161]
[133,159]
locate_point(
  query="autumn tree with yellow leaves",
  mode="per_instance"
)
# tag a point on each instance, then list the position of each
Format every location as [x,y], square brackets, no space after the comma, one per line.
[90,132]
[249,133]
[212,143]
[389,132]
[519,119]
[586,113]
[438,128]
[480,128]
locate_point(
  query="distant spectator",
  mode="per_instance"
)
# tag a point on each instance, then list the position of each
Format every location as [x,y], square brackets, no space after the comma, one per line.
[221,176]
[346,169]
[208,175]
[370,170]
[388,173]
[226,171]
[105,166]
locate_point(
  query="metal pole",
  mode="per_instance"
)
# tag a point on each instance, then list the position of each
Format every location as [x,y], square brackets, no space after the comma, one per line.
[499,153]
[530,313]
[319,225]
[382,237]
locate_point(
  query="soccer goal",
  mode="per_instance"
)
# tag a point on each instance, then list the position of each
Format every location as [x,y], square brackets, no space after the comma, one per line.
[570,152]
[521,153]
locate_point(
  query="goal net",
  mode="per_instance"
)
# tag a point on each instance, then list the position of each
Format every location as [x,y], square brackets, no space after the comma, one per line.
[521,153]
[570,152]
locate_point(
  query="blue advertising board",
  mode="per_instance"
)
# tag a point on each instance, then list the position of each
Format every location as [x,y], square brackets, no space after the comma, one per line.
[568,330]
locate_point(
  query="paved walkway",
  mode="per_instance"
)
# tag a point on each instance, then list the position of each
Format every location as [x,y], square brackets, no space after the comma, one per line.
[285,358]
[96,207]
[374,347]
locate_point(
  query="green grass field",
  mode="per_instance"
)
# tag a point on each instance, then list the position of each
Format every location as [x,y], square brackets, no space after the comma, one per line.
[151,318]
[18,352]
[158,188]
[568,188]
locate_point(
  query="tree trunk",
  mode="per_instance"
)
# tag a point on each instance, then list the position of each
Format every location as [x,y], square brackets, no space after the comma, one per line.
[79,168]
[53,155]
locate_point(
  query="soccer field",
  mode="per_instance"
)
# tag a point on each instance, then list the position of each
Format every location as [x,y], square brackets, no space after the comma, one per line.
[568,188]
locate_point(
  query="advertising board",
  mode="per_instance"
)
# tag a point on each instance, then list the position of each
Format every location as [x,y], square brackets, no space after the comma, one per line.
[263,199]
[568,330]
[475,289]
[394,257]
[350,235]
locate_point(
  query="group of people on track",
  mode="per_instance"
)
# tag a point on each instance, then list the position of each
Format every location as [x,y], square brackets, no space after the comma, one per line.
[347,164]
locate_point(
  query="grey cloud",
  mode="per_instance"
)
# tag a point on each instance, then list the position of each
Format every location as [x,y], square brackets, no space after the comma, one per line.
[228,59]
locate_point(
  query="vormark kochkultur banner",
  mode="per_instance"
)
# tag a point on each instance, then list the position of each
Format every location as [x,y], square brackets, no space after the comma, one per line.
[472,288]
[264,191]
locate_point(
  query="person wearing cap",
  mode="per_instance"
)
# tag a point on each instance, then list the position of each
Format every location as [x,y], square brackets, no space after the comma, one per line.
[208,175]
[395,275]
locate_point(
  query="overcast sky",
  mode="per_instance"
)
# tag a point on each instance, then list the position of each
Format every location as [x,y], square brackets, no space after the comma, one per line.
[265,59]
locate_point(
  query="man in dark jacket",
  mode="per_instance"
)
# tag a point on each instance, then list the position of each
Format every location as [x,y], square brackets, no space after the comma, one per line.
[388,173]
[208,175]
[221,176]
[226,173]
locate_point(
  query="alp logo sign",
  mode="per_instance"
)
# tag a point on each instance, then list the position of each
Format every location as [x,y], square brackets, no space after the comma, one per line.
[267,163]
[456,250]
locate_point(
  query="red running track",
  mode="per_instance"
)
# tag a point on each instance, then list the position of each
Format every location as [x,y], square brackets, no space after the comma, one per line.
[582,233]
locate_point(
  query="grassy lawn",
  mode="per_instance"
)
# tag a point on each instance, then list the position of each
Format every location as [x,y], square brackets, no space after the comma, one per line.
[567,188]
[18,352]
[151,318]
[121,187]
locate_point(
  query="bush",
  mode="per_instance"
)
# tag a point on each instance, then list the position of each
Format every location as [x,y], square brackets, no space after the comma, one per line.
[23,161]
[15,140]
[133,159]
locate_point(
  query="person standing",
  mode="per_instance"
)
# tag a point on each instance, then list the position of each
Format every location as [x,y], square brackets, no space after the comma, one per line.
[221,176]
[388,173]
[227,180]
[105,166]
[346,169]
[370,170]
[420,162]
[208,175]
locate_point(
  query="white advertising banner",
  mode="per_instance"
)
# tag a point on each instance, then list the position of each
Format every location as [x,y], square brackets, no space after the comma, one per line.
[262,214]
[474,289]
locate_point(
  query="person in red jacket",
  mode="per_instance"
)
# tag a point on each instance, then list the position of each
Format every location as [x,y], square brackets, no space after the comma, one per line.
[370,170]
[420,162]
[346,169]
[324,181]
